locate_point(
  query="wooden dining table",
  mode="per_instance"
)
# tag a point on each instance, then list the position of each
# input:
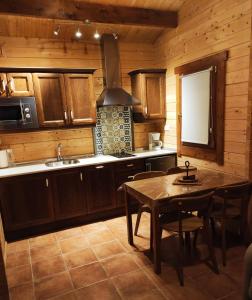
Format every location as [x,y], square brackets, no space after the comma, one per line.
[158,191]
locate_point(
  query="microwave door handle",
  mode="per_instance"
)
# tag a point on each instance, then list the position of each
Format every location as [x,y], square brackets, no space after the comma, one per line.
[22,110]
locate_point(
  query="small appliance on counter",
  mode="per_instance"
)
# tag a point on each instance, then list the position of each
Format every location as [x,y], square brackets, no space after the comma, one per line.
[154,141]
[6,158]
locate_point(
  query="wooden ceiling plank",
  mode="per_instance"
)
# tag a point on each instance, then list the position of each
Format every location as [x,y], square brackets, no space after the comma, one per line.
[100,13]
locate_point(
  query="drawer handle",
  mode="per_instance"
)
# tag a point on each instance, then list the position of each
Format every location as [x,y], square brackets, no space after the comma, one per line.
[71,115]
[99,167]
[130,165]
[65,115]
[81,176]
[47,182]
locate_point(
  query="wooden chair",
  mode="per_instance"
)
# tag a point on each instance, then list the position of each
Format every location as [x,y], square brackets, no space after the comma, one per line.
[144,208]
[191,224]
[231,202]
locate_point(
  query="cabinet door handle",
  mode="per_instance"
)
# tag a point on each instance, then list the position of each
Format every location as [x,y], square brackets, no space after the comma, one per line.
[71,115]
[131,177]
[65,115]
[81,176]
[47,182]
[146,110]
[130,165]
[99,167]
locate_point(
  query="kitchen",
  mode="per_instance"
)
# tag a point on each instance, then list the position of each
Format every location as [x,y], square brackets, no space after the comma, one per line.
[55,63]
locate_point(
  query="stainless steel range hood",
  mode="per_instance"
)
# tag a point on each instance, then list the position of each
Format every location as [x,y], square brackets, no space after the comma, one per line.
[113,93]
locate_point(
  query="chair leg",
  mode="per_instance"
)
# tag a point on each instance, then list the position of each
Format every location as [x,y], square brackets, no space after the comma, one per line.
[195,239]
[223,242]
[181,260]
[151,235]
[139,214]
[211,247]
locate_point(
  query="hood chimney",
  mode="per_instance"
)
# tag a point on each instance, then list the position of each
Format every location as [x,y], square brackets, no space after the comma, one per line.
[113,93]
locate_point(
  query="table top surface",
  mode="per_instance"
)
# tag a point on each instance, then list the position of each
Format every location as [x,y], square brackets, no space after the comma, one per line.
[159,189]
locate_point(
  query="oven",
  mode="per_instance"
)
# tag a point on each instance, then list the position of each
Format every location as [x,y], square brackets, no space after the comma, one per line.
[18,113]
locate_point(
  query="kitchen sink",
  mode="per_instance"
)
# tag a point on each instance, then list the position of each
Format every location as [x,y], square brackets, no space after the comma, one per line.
[57,163]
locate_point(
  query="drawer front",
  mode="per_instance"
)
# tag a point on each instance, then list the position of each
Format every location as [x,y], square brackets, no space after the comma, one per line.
[134,164]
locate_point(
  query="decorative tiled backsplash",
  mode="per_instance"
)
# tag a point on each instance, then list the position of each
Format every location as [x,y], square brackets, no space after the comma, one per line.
[113,130]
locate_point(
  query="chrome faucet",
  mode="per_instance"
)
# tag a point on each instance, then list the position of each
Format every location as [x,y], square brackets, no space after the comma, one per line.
[59,157]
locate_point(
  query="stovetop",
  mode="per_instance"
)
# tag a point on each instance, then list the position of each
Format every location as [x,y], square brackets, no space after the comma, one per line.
[122,155]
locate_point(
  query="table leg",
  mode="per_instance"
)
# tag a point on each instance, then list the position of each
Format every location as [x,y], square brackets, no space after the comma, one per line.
[128,218]
[156,240]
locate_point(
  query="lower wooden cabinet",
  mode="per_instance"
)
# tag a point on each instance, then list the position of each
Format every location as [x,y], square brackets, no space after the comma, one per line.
[69,193]
[100,188]
[124,172]
[26,201]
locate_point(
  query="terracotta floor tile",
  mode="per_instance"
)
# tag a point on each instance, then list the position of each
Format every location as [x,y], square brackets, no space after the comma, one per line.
[234,296]
[189,291]
[38,253]
[64,234]
[108,249]
[48,266]
[22,292]
[17,246]
[104,290]
[88,274]
[216,285]
[68,296]
[147,295]
[119,264]
[140,258]
[79,258]
[73,244]
[235,270]
[101,236]
[133,283]
[94,227]
[42,240]
[53,286]
[18,258]
[19,275]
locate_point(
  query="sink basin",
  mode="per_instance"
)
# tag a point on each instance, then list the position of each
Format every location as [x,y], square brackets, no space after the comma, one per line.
[56,163]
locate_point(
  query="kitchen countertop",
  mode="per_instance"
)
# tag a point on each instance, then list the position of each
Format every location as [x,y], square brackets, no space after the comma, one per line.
[39,167]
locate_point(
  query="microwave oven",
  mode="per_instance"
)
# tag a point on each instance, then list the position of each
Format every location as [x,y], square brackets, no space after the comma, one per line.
[18,113]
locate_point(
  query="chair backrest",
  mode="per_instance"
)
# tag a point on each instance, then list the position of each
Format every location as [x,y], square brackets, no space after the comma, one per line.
[234,191]
[201,203]
[149,174]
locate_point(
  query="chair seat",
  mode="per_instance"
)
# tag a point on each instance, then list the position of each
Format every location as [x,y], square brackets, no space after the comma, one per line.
[189,224]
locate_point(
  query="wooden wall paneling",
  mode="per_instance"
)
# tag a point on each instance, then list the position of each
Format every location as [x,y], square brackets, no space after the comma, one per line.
[26,52]
[207,27]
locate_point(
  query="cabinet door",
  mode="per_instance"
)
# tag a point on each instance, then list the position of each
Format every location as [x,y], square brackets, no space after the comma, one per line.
[26,201]
[69,194]
[154,95]
[80,98]
[22,84]
[100,188]
[51,99]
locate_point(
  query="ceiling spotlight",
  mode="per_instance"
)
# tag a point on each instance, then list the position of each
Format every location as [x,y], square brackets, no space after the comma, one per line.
[97,35]
[78,34]
[56,31]
[115,36]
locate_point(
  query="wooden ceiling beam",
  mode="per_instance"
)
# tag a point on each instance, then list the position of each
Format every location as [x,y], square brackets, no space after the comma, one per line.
[97,13]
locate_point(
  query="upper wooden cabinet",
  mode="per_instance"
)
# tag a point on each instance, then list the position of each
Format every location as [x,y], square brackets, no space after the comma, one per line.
[80,98]
[148,86]
[16,84]
[64,99]
[51,99]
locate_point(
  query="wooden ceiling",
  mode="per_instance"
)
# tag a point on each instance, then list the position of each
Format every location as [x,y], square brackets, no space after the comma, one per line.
[33,27]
